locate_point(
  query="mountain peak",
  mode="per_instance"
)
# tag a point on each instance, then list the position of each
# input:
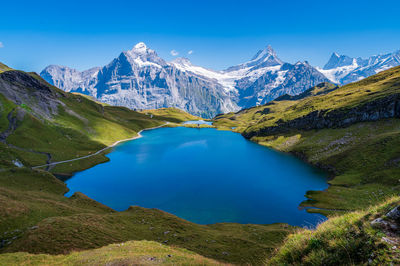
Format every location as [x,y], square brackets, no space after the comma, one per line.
[142,55]
[304,63]
[337,60]
[264,53]
[140,48]
[334,54]
[263,58]
[140,45]
[269,50]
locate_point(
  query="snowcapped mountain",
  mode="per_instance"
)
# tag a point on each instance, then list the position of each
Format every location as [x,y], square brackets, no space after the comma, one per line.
[226,81]
[266,77]
[262,79]
[342,69]
[140,79]
[264,58]
[275,81]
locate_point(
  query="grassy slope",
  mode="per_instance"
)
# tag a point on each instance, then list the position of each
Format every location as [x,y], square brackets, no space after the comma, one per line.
[91,98]
[172,114]
[362,158]
[3,68]
[348,96]
[349,239]
[320,89]
[35,217]
[129,253]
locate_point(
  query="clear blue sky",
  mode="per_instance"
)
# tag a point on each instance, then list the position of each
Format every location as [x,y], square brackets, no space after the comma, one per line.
[83,34]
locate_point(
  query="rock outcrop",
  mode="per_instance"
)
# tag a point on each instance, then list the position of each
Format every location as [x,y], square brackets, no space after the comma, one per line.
[27,90]
[381,108]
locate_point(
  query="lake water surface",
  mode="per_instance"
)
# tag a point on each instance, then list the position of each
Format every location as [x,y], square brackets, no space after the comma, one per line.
[204,176]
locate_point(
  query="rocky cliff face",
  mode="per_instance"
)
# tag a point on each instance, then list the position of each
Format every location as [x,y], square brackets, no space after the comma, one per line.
[386,107]
[23,89]
[285,79]
[139,79]
[70,79]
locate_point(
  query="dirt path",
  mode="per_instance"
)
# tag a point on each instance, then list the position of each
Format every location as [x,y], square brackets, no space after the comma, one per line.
[48,155]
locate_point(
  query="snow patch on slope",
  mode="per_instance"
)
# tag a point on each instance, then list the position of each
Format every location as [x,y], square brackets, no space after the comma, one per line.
[336,74]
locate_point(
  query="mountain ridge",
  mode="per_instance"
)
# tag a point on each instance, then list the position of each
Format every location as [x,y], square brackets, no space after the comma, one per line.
[140,79]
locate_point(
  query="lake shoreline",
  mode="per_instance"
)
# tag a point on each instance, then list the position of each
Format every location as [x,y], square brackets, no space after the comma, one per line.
[258,145]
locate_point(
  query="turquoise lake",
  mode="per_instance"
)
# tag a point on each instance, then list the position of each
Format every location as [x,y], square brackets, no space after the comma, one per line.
[204,176]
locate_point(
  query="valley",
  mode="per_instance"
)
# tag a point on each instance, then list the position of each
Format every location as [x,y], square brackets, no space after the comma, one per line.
[218,132]
[350,131]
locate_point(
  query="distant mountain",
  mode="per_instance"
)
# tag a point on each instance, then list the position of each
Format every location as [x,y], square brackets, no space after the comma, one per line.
[261,79]
[342,69]
[71,79]
[140,79]
[263,58]
[266,84]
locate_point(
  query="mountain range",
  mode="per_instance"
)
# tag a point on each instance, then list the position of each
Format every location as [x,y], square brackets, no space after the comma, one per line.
[140,79]
[342,69]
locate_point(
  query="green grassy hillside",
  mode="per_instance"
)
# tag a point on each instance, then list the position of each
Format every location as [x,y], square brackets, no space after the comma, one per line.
[3,68]
[129,253]
[171,114]
[351,239]
[362,157]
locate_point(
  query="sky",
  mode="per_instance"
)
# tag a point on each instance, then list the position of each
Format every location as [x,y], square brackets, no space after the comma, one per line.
[214,34]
